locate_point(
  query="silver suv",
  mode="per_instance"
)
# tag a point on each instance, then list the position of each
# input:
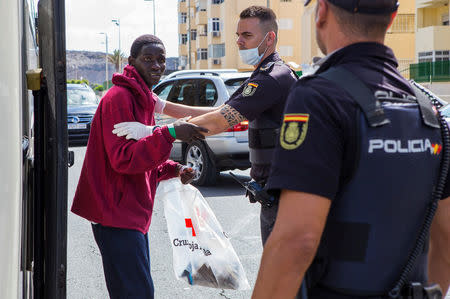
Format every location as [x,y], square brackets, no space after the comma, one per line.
[224,151]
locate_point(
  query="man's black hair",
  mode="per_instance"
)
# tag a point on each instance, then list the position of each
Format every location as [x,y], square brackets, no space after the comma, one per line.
[359,24]
[265,15]
[142,41]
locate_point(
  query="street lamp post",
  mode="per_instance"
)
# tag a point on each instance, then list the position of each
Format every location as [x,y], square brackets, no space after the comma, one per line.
[189,33]
[117,22]
[106,59]
[154,19]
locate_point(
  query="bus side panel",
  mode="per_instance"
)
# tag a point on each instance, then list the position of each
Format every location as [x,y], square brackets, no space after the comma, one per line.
[10,147]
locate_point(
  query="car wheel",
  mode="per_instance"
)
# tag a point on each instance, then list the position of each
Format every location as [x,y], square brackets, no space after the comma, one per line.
[196,156]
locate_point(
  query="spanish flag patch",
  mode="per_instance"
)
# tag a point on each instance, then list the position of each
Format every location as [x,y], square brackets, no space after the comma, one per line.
[293,131]
[250,89]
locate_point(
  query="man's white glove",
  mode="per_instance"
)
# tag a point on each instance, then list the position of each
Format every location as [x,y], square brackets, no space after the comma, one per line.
[160,104]
[132,130]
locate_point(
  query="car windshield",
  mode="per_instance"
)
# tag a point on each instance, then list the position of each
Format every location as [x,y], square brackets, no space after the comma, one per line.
[80,96]
[233,84]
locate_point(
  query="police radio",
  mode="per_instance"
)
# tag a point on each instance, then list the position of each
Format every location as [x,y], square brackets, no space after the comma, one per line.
[255,192]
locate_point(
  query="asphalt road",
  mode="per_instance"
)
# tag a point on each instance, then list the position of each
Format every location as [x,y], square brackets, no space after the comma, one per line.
[239,220]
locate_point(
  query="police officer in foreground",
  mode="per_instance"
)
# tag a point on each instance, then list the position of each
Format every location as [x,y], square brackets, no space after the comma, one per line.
[360,169]
[260,100]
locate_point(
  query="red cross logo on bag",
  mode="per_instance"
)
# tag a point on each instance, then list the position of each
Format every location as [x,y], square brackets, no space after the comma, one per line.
[189,225]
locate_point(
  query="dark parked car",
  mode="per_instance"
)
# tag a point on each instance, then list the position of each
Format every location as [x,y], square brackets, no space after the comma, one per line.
[82,103]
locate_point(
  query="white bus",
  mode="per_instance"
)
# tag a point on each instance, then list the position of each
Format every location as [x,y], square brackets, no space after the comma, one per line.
[33,150]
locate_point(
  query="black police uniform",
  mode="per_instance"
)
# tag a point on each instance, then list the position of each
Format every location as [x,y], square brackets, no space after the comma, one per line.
[379,177]
[261,101]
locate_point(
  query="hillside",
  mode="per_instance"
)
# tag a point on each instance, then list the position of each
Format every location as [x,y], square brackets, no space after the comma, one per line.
[91,66]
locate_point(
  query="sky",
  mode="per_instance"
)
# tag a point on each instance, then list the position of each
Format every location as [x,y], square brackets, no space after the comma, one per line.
[86,18]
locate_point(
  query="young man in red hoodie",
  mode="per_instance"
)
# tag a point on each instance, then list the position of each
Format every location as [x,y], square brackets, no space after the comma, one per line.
[119,176]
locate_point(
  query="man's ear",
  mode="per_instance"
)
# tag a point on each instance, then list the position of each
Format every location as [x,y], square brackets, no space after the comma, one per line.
[272,38]
[322,10]
[131,60]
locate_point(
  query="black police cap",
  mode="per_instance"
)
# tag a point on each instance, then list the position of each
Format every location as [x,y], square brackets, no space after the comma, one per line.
[365,6]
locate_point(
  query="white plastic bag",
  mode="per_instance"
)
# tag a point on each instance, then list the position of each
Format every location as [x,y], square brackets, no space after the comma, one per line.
[202,254]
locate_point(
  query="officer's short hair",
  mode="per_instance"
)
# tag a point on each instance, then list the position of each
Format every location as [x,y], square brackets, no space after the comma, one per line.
[265,15]
[142,41]
[361,24]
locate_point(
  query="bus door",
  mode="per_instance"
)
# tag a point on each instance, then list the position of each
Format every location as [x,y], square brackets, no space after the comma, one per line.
[51,155]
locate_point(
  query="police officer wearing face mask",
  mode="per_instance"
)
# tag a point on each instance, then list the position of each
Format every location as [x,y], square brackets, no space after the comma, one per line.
[360,170]
[260,100]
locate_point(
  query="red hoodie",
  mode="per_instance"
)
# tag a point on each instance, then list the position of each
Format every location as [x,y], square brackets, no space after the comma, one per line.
[118,180]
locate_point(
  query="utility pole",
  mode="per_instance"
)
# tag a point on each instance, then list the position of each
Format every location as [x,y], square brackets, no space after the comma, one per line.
[117,22]
[106,59]
[154,18]
[189,33]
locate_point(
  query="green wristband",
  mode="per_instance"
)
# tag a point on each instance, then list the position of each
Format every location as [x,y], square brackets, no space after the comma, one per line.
[172,131]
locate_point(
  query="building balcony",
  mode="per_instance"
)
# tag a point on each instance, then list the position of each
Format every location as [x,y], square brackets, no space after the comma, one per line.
[183,49]
[201,64]
[202,41]
[201,18]
[430,3]
[182,28]
[432,38]
[182,6]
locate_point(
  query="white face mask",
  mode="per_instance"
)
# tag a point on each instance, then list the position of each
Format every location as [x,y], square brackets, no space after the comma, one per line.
[251,56]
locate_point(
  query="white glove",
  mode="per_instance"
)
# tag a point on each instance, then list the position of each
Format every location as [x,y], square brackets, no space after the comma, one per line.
[132,130]
[160,104]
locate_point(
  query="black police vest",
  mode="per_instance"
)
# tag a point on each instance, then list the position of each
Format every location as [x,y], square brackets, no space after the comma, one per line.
[264,131]
[375,219]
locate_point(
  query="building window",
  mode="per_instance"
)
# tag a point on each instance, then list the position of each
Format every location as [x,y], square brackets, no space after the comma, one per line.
[183,38]
[183,18]
[181,0]
[287,51]
[200,5]
[214,25]
[202,54]
[442,56]
[285,24]
[403,23]
[193,34]
[217,1]
[216,51]
[434,56]
[285,0]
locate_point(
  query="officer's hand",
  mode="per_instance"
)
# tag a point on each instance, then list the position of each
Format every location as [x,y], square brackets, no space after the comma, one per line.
[188,132]
[132,130]
[186,174]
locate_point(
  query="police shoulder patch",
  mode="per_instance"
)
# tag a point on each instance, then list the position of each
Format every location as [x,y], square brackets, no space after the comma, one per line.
[250,89]
[293,131]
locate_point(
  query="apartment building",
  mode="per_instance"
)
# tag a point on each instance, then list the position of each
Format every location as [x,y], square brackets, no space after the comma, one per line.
[400,37]
[433,46]
[207,32]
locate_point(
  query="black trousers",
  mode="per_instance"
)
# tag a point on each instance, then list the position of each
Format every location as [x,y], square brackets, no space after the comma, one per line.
[126,262]
[267,219]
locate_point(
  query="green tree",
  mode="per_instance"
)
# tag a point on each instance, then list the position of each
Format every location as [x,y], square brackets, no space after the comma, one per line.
[99,88]
[117,58]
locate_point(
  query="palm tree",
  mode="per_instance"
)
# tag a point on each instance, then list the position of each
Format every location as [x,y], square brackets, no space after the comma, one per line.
[117,59]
